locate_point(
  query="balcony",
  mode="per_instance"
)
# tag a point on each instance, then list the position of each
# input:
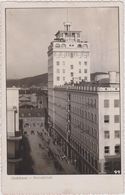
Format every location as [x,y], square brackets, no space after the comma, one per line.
[17,135]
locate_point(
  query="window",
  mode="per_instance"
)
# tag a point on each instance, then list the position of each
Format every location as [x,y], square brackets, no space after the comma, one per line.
[63,45]
[63,78]
[79,78]
[85,63]
[106,149]
[71,74]
[79,62]
[57,45]
[79,45]
[57,63]
[85,46]
[117,149]
[116,103]
[117,134]
[79,70]
[92,160]
[106,103]
[106,118]
[58,70]
[63,70]
[71,66]
[58,78]
[116,118]
[85,70]
[106,134]
[95,133]
[95,103]
[85,78]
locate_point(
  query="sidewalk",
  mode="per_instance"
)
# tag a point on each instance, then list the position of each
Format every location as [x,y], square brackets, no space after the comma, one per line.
[66,165]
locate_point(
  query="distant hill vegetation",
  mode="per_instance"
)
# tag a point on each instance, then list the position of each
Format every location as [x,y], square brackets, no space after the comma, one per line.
[38,81]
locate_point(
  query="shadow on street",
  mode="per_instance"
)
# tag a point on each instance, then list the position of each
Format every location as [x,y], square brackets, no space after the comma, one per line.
[27,162]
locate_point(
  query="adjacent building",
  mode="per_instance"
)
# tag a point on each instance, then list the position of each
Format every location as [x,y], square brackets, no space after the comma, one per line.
[87,124]
[14,134]
[84,113]
[33,98]
[32,119]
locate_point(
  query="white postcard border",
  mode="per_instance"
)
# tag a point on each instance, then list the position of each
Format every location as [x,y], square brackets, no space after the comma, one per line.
[57,184]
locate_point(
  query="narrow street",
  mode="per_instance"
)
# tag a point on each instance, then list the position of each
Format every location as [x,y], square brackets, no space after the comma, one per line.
[42,162]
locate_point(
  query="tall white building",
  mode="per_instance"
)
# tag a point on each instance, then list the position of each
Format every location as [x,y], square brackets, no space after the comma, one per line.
[68,61]
[84,114]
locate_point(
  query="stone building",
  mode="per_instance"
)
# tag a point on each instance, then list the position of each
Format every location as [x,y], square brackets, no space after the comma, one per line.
[87,124]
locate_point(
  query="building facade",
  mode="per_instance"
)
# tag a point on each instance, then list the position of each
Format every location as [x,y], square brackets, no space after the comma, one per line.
[32,119]
[68,61]
[87,123]
[14,134]
[84,114]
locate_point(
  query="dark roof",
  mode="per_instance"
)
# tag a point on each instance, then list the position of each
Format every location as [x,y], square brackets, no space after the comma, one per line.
[97,73]
[31,112]
[104,80]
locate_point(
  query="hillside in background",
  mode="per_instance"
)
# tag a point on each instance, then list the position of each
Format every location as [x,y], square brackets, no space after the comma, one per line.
[38,81]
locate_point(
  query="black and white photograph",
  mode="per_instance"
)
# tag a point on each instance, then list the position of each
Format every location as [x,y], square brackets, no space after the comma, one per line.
[63,91]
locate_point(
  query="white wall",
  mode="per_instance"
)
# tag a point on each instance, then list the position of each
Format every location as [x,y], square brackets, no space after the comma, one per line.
[111,126]
[12,101]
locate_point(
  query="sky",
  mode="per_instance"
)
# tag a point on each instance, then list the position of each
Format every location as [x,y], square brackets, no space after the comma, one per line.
[30,31]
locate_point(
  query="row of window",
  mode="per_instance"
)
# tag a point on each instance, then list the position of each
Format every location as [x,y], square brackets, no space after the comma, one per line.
[116,149]
[107,103]
[87,115]
[86,154]
[90,102]
[69,34]
[90,144]
[70,54]
[57,45]
[84,128]
[63,70]
[71,66]
[29,125]
[64,78]
[116,134]
[107,119]
[58,70]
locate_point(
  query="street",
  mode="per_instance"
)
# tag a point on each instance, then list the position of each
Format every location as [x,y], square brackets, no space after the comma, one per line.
[42,157]
[42,162]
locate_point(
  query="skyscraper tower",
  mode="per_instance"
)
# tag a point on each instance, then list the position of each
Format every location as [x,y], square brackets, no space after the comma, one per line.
[68,61]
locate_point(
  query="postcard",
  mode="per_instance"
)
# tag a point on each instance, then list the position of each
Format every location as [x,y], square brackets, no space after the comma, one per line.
[62,97]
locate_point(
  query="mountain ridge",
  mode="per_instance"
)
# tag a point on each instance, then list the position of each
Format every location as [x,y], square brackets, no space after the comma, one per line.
[38,80]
